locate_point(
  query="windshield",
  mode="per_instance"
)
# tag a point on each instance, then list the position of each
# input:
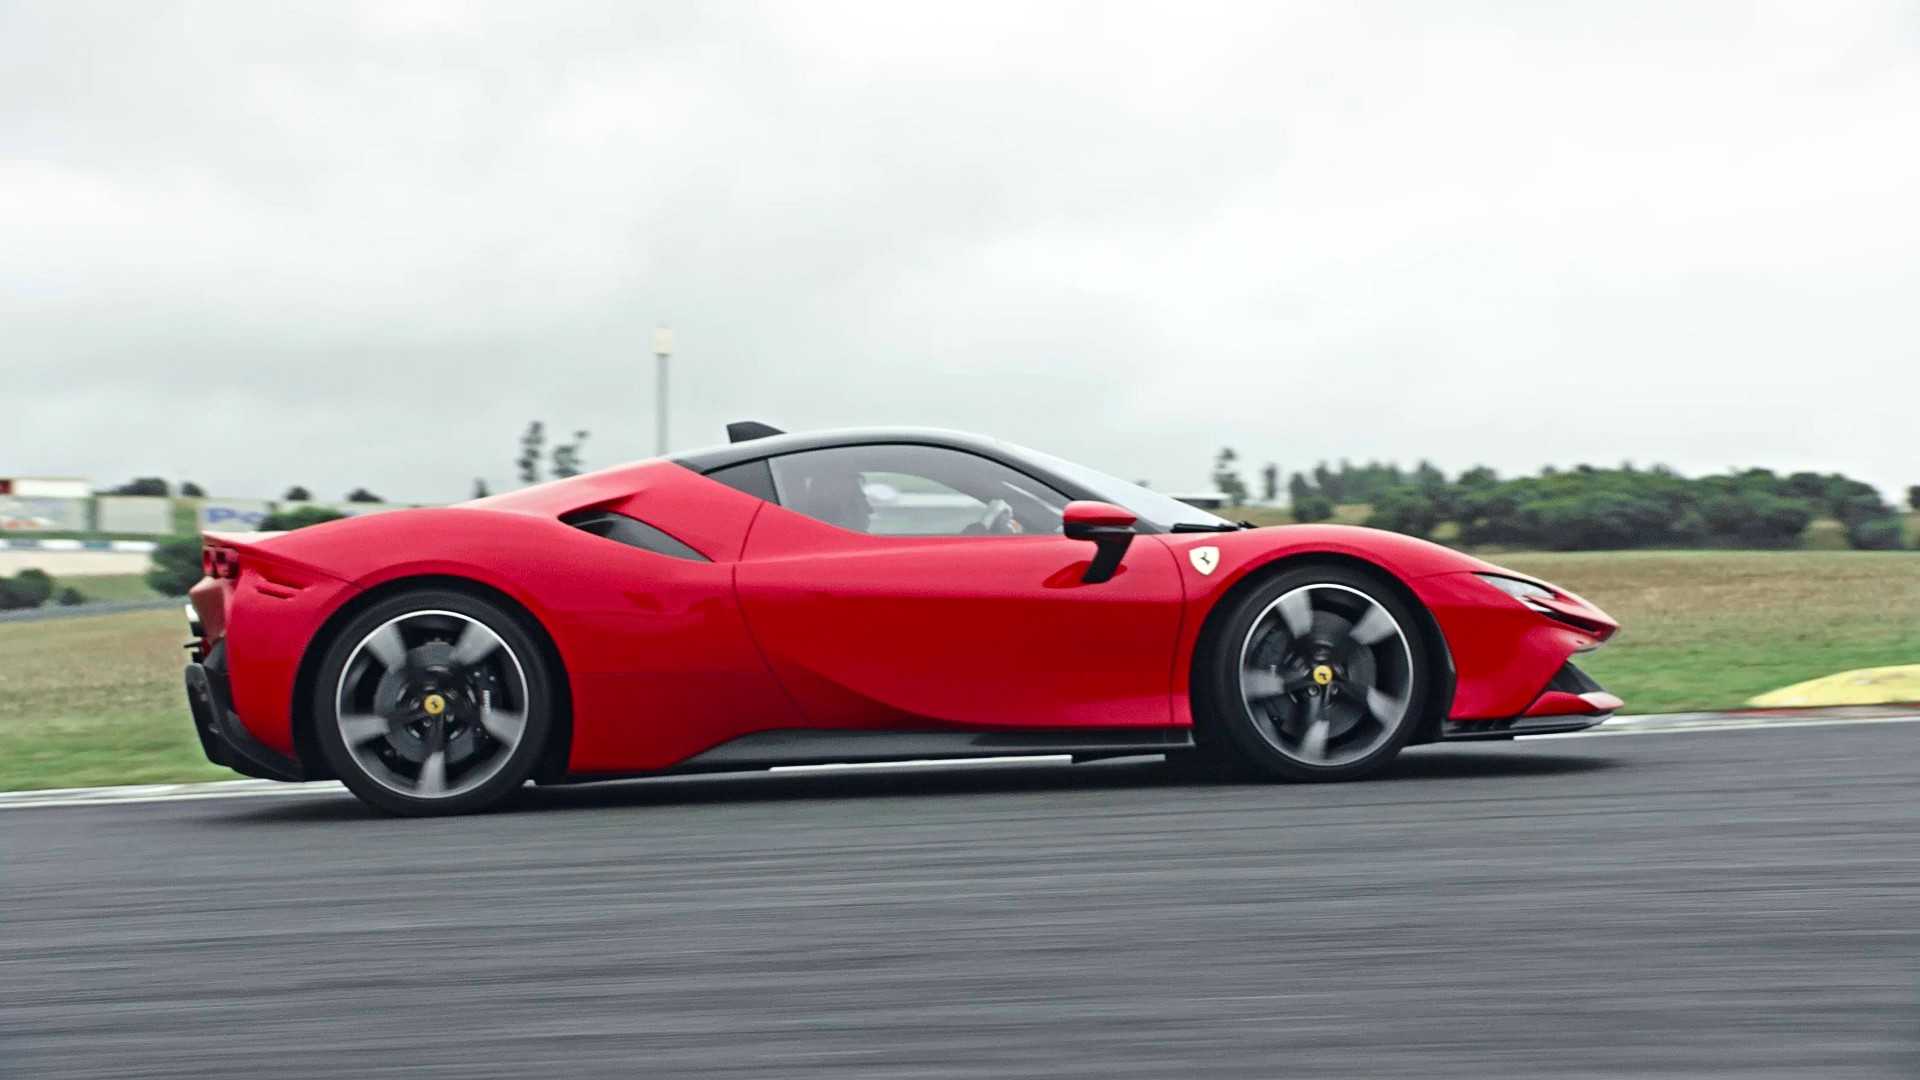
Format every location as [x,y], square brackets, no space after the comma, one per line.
[1148,505]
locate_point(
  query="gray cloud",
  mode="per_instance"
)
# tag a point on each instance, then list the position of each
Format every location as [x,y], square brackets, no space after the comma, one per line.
[255,245]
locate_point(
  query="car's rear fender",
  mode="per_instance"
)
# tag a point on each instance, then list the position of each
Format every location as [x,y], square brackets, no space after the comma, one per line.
[301,698]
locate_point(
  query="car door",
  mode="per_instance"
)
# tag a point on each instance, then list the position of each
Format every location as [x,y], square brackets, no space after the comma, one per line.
[907,586]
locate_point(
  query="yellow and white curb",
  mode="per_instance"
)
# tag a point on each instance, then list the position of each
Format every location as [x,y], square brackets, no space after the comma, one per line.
[1866,686]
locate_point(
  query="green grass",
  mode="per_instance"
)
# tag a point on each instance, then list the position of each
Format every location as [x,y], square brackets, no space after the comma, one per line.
[1710,629]
[1343,514]
[97,699]
[110,587]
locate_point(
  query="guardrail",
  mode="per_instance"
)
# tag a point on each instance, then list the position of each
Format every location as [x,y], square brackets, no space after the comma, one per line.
[23,516]
[27,544]
[106,607]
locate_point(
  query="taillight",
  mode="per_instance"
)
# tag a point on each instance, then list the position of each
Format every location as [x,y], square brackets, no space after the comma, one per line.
[219,562]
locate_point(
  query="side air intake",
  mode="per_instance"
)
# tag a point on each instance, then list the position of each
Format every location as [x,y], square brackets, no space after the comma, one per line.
[632,532]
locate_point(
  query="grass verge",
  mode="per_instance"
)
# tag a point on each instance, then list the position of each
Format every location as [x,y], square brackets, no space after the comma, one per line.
[110,587]
[1710,629]
[96,700]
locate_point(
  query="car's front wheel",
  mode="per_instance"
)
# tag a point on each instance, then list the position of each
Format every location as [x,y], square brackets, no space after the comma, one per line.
[433,702]
[1318,673]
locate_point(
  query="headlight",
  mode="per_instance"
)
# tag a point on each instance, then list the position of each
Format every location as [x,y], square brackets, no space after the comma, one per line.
[1524,591]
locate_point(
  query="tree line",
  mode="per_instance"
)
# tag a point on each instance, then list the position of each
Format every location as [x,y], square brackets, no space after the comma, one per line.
[1587,507]
[157,486]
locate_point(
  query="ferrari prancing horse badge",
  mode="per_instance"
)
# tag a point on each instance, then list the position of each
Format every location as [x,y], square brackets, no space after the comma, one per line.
[1205,559]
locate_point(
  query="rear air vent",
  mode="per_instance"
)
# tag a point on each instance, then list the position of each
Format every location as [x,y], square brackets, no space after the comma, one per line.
[632,532]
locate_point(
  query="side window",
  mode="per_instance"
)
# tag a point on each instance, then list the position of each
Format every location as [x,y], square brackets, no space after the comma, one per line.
[751,477]
[902,490]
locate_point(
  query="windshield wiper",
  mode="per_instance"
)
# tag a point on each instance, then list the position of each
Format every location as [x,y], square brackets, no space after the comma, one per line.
[1195,526]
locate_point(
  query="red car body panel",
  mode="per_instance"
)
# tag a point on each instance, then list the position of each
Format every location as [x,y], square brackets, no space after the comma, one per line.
[875,632]
[1504,653]
[799,624]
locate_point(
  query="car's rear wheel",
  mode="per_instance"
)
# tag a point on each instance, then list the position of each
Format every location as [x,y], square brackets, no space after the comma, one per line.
[1318,673]
[433,702]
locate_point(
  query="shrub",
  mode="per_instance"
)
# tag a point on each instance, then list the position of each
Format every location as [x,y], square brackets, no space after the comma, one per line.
[68,596]
[1806,485]
[1406,510]
[1753,519]
[300,518]
[144,485]
[34,586]
[176,566]
[1852,501]
[1486,512]
[29,588]
[1315,507]
[1598,521]
[1875,534]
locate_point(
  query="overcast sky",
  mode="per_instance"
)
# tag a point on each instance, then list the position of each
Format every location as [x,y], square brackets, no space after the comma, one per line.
[259,244]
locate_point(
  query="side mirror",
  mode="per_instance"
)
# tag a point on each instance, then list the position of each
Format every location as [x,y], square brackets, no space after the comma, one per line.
[1107,527]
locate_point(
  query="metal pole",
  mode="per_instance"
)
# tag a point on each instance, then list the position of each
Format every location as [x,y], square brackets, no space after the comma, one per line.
[662,348]
[660,421]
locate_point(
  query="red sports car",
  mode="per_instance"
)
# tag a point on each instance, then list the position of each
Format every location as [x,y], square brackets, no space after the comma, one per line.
[854,596]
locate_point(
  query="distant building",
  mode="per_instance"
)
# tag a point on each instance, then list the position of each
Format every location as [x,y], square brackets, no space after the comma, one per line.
[1210,500]
[45,487]
[44,504]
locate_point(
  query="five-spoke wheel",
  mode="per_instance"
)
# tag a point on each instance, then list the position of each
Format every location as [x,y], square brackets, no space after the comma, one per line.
[1320,672]
[433,703]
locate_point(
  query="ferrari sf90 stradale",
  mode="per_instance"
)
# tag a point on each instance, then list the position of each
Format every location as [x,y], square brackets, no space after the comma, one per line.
[853,596]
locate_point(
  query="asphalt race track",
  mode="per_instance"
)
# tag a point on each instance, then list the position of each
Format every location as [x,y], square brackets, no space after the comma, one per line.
[1734,903]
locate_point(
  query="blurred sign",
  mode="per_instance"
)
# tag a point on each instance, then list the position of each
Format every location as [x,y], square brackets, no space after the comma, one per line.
[31,513]
[232,515]
[143,514]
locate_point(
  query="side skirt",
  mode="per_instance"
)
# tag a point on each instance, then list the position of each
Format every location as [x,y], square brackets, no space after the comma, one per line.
[819,746]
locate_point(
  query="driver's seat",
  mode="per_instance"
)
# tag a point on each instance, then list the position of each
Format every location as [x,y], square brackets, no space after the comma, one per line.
[834,497]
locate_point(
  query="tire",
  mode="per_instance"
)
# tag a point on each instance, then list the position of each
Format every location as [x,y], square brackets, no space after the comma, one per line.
[433,701]
[1318,673]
